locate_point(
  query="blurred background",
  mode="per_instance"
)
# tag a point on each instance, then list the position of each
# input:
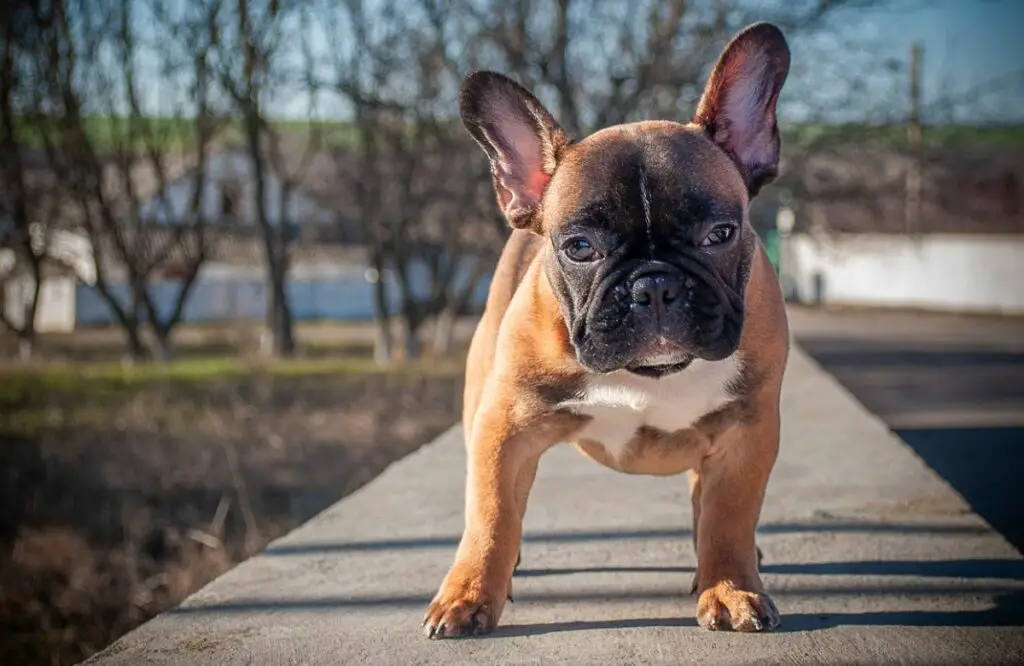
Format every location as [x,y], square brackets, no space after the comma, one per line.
[243,244]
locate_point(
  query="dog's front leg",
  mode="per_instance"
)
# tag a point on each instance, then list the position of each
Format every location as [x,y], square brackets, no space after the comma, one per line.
[501,461]
[732,481]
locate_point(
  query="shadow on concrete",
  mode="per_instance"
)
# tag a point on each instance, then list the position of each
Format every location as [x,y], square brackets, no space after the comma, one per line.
[984,466]
[514,630]
[946,383]
[965,569]
[844,351]
[539,573]
[287,549]
[896,378]
[979,568]
[1007,611]
[578,596]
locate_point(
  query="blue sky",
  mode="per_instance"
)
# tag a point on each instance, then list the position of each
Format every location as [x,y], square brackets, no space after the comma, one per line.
[966,43]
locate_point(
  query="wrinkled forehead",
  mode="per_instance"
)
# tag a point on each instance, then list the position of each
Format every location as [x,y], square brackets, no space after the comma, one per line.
[676,165]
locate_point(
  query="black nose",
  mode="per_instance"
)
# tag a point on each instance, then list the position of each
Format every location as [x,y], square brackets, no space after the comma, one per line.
[655,289]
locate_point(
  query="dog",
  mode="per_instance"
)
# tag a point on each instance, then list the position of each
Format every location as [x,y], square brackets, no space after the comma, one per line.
[633,313]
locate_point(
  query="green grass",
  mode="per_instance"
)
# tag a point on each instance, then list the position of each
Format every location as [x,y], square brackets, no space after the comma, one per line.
[949,136]
[40,383]
[108,134]
[63,376]
[37,397]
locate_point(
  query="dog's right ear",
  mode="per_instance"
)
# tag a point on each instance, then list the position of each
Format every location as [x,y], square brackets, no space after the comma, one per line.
[521,139]
[737,109]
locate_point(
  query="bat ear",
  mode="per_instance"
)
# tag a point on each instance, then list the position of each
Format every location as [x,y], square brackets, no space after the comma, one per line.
[521,139]
[738,106]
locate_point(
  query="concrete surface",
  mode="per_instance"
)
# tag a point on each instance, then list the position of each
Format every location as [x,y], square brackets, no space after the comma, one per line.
[950,386]
[868,553]
[919,370]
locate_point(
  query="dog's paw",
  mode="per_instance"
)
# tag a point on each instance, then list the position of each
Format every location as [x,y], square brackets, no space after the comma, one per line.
[463,607]
[726,607]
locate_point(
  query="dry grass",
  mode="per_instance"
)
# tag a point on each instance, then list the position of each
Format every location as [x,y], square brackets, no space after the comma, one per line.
[125,489]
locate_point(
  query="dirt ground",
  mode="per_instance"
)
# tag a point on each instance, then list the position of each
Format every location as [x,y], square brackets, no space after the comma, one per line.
[122,494]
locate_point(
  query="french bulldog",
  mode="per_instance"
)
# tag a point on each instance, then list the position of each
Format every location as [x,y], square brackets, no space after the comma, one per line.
[634,314]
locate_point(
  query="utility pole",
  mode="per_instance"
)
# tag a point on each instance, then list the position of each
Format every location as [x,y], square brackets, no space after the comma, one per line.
[912,204]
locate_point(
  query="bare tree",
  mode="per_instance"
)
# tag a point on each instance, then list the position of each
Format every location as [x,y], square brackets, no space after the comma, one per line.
[15,205]
[398,66]
[395,69]
[188,225]
[601,63]
[256,62]
[355,70]
[595,63]
[859,137]
[86,61]
[418,181]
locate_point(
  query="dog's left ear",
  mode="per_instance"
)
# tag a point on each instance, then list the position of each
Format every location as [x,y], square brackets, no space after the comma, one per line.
[521,139]
[738,106]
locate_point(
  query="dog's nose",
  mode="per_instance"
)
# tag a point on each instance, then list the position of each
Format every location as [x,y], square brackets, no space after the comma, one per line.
[655,290]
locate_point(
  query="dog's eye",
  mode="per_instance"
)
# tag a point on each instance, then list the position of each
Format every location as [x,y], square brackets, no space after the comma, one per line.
[579,249]
[722,233]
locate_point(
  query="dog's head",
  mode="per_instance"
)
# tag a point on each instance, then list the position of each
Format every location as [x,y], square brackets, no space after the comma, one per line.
[650,244]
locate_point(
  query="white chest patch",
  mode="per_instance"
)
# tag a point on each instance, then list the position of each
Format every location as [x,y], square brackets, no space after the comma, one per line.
[621,402]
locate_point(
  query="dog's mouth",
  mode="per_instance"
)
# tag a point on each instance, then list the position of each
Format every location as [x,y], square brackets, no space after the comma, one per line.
[658,370]
[662,356]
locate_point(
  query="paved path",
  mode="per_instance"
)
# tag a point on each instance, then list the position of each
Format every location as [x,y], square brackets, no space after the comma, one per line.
[952,387]
[920,370]
[869,555]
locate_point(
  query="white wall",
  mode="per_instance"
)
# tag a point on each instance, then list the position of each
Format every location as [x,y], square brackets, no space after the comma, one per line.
[979,273]
[55,312]
[229,292]
[232,167]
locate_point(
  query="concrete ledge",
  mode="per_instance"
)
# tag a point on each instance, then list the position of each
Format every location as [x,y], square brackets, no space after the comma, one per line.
[870,557]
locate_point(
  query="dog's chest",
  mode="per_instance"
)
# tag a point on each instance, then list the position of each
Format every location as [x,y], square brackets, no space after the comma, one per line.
[620,403]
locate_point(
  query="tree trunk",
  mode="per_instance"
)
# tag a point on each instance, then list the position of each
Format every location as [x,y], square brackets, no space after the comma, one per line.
[414,313]
[129,323]
[411,339]
[446,319]
[27,334]
[163,330]
[137,350]
[280,325]
[162,347]
[412,325]
[279,316]
[284,331]
[381,314]
[26,348]
[444,331]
